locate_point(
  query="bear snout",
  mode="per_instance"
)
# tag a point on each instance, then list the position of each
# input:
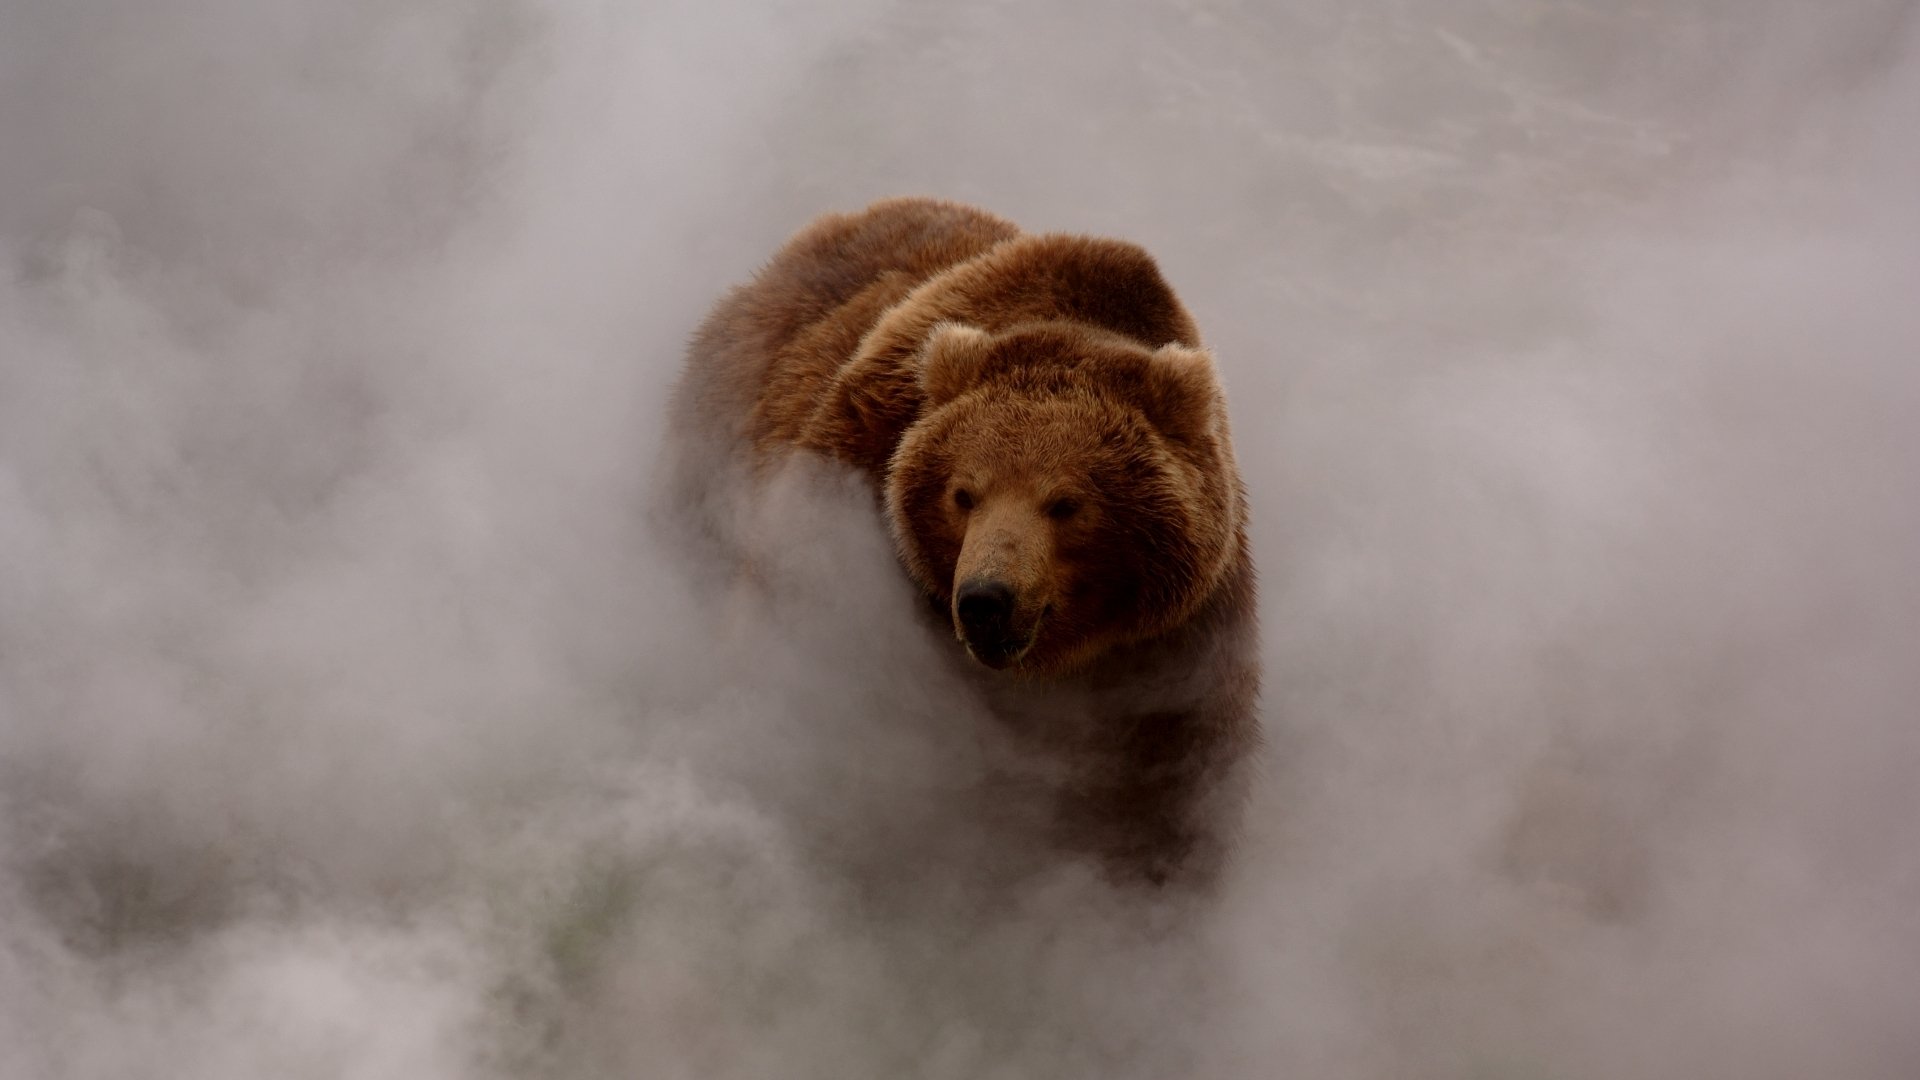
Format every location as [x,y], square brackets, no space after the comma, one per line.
[984,604]
[985,610]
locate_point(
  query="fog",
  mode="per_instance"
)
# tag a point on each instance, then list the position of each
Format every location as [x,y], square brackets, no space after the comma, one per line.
[354,722]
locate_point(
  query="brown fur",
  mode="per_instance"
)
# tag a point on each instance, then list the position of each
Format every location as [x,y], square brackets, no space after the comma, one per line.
[1051,444]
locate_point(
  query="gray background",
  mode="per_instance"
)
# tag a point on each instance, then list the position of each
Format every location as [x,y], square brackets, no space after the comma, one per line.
[351,726]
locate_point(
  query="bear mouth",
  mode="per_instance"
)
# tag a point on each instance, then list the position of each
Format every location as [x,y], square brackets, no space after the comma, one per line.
[998,655]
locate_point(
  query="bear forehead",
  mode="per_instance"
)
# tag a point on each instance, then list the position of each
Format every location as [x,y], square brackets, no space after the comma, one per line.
[1049,447]
[1111,376]
[1017,420]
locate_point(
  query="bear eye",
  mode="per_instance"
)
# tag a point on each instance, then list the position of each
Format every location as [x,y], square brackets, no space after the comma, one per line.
[1062,509]
[963,498]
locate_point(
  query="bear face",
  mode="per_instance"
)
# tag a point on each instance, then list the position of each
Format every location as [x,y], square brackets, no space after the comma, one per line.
[1064,491]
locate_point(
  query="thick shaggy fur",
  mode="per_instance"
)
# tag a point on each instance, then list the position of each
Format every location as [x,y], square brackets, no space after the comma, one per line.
[1050,444]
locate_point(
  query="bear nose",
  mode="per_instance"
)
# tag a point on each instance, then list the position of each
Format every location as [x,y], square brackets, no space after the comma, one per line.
[984,607]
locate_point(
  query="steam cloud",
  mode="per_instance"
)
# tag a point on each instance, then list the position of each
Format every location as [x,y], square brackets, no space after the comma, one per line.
[352,723]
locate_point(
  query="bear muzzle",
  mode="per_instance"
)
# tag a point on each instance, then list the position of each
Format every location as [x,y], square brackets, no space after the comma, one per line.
[988,620]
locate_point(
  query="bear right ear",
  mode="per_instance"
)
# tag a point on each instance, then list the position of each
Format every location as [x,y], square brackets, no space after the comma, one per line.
[1183,392]
[951,356]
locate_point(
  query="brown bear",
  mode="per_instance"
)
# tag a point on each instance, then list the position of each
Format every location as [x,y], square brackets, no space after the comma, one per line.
[1048,441]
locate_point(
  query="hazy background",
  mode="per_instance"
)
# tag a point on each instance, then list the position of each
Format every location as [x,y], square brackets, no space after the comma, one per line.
[352,726]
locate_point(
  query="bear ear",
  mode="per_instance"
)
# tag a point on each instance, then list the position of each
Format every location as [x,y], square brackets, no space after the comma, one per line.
[949,360]
[1183,393]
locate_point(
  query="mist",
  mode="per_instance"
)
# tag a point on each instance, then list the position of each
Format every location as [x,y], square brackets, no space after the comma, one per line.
[355,722]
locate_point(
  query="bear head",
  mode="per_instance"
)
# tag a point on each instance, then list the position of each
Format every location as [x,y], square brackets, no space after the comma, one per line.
[1064,490]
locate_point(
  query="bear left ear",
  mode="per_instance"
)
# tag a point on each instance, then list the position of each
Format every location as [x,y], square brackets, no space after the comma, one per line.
[1183,392]
[951,356]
